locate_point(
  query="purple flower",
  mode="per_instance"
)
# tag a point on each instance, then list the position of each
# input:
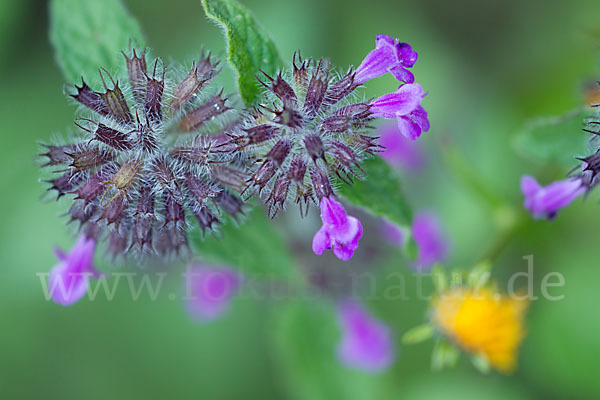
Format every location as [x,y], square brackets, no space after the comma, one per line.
[366,342]
[432,245]
[339,231]
[431,242]
[405,105]
[388,56]
[399,151]
[546,201]
[69,279]
[209,291]
[392,233]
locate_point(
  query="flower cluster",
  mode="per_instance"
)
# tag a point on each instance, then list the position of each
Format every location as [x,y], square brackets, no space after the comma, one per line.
[156,151]
[142,164]
[313,132]
[311,128]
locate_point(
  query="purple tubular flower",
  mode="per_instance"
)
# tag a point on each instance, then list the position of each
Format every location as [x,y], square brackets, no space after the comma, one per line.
[405,105]
[210,291]
[69,279]
[431,242]
[339,231]
[399,151]
[544,202]
[388,56]
[366,342]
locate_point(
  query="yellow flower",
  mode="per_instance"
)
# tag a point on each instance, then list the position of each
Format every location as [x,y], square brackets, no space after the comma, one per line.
[482,322]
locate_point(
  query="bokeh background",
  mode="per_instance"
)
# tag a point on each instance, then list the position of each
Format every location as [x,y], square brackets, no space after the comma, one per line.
[489,66]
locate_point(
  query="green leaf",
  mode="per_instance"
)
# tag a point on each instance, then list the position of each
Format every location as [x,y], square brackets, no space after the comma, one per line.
[254,247]
[481,363]
[444,355]
[380,193]
[555,140]
[88,34]
[249,47]
[306,339]
[418,334]
[410,248]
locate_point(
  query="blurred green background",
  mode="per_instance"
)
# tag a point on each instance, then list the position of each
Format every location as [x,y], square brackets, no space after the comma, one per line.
[488,66]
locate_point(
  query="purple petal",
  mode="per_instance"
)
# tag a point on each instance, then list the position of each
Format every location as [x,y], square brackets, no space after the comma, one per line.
[431,242]
[401,102]
[388,56]
[419,116]
[375,64]
[67,286]
[348,233]
[212,290]
[321,241]
[332,212]
[529,186]
[560,194]
[346,241]
[342,252]
[384,41]
[402,74]
[68,281]
[408,128]
[366,343]
[340,231]
[547,201]
[406,54]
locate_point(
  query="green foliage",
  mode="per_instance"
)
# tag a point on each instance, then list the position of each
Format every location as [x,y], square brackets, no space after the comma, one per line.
[380,193]
[444,355]
[249,47]
[555,140]
[87,34]
[255,247]
[306,340]
[481,363]
[418,334]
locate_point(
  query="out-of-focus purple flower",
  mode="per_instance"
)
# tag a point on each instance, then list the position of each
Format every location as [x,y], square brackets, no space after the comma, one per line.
[339,231]
[399,151]
[366,342]
[392,233]
[209,291]
[388,56]
[544,202]
[405,105]
[69,279]
[431,243]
